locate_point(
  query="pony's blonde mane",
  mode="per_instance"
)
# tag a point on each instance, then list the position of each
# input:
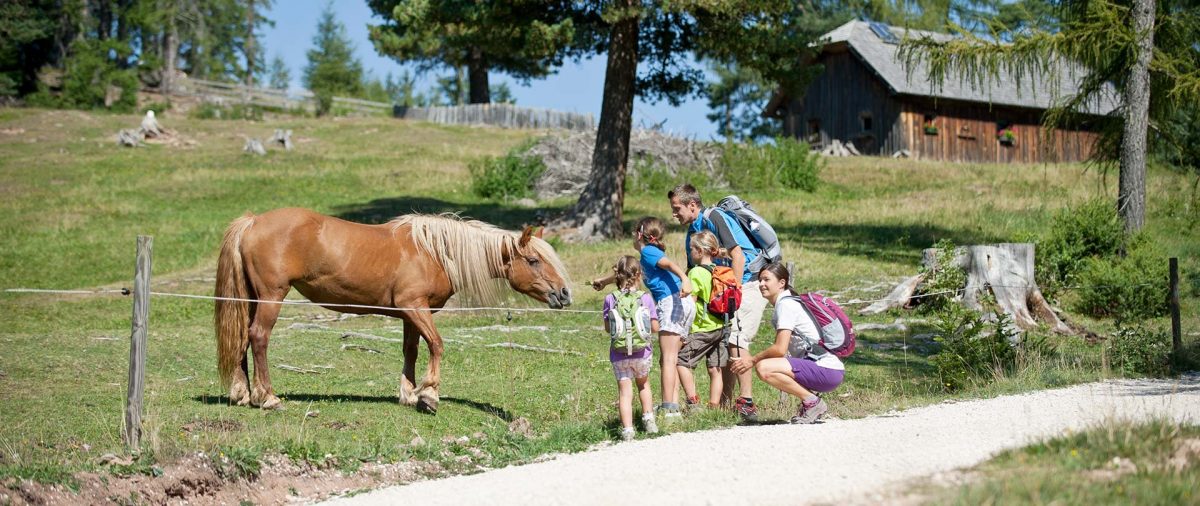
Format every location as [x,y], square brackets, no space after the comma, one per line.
[470,251]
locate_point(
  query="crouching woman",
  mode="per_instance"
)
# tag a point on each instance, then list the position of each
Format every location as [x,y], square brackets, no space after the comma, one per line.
[796,363]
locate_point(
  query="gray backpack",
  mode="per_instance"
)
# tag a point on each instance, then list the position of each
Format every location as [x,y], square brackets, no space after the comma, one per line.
[757,229]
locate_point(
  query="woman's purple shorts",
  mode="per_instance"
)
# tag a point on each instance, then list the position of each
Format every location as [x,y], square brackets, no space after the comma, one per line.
[814,377]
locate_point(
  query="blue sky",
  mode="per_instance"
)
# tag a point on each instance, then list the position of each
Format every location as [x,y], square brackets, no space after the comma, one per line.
[577,87]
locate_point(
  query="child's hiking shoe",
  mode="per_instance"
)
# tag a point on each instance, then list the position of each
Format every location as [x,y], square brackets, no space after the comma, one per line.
[746,408]
[669,411]
[809,413]
[693,405]
[628,433]
[649,423]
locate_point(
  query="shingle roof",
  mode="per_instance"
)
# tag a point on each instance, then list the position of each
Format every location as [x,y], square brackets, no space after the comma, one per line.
[1035,92]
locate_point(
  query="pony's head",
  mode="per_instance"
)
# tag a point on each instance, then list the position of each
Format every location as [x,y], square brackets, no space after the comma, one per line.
[533,268]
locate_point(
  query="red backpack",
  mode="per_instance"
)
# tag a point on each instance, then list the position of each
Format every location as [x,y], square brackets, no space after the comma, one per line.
[837,333]
[725,297]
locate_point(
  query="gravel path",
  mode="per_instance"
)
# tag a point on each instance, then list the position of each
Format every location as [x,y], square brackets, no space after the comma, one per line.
[851,458]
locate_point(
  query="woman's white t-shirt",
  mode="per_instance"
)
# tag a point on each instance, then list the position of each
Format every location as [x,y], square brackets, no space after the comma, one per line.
[805,343]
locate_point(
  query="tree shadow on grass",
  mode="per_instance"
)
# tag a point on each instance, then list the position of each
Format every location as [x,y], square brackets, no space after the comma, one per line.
[501,413]
[900,244]
[502,215]
[506,216]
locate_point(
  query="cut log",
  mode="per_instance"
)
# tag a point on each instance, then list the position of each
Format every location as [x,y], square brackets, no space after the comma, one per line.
[129,138]
[898,297]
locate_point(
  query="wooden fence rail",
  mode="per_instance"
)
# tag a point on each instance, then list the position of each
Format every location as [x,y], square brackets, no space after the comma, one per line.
[501,115]
[264,97]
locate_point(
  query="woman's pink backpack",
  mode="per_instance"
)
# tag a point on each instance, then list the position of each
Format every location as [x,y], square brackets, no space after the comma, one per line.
[837,334]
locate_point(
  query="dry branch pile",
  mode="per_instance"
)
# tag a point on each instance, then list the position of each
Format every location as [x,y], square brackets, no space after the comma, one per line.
[568,158]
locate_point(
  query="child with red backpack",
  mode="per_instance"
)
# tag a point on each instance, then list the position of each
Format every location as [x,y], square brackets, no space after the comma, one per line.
[709,334]
[812,335]
[630,319]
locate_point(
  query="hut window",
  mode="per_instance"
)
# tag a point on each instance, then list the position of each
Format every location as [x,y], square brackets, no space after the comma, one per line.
[865,119]
[814,131]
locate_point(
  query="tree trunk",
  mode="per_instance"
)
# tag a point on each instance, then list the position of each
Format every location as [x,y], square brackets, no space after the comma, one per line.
[598,214]
[249,49]
[1131,195]
[477,70]
[170,50]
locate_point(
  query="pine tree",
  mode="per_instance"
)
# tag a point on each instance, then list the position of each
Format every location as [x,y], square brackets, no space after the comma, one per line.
[523,38]
[1144,48]
[736,100]
[332,68]
[279,76]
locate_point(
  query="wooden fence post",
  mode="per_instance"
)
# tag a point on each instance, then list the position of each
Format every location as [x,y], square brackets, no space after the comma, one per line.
[137,345]
[1173,303]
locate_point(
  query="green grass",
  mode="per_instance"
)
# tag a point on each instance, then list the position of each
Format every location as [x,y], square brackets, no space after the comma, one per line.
[74,202]
[1118,463]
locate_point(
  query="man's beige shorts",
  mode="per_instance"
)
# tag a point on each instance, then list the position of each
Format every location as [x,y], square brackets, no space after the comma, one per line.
[749,316]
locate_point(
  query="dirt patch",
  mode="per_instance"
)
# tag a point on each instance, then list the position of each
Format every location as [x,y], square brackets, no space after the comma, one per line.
[208,425]
[195,480]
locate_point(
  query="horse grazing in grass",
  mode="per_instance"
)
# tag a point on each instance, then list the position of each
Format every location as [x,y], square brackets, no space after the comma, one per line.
[414,261]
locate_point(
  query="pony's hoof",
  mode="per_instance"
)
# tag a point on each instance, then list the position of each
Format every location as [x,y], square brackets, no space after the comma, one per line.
[239,395]
[408,397]
[272,403]
[427,404]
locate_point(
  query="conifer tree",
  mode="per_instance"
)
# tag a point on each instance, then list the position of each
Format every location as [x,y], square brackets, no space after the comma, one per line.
[1146,49]
[332,68]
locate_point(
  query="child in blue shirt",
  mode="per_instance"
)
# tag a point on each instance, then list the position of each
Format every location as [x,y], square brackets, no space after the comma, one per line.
[672,291]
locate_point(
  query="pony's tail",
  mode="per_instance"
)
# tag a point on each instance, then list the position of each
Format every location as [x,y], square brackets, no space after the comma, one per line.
[232,318]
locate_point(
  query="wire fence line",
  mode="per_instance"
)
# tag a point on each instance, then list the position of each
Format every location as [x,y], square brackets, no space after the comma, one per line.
[126,291]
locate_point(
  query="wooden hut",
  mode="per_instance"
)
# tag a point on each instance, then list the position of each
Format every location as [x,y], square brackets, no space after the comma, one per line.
[866,97]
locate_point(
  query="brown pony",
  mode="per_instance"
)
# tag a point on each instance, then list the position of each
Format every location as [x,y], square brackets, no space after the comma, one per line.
[414,261]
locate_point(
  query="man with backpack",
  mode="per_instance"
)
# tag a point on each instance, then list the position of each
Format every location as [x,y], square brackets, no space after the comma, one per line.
[751,245]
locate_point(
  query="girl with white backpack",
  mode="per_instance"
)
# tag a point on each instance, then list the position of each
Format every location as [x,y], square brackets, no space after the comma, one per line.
[631,321]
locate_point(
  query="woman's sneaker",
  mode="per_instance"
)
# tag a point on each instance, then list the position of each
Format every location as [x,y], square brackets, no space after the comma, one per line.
[649,423]
[628,433]
[810,413]
[746,408]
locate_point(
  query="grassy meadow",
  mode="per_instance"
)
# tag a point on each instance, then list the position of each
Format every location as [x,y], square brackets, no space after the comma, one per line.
[1116,463]
[74,202]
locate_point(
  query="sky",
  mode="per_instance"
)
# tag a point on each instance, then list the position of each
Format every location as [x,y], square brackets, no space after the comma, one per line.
[576,87]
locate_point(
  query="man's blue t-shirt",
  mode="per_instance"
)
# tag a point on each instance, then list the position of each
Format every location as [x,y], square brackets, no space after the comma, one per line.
[729,234]
[661,282]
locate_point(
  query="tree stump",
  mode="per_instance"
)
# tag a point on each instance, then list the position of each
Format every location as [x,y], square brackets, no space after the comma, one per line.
[284,138]
[150,126]
[254,146]
[1007,270]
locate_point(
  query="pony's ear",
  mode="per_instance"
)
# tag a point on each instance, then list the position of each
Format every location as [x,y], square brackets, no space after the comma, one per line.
[540,231]
[525,236]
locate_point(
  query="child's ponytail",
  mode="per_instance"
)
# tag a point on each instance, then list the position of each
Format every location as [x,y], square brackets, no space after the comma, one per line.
[650,230]
[628,272]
